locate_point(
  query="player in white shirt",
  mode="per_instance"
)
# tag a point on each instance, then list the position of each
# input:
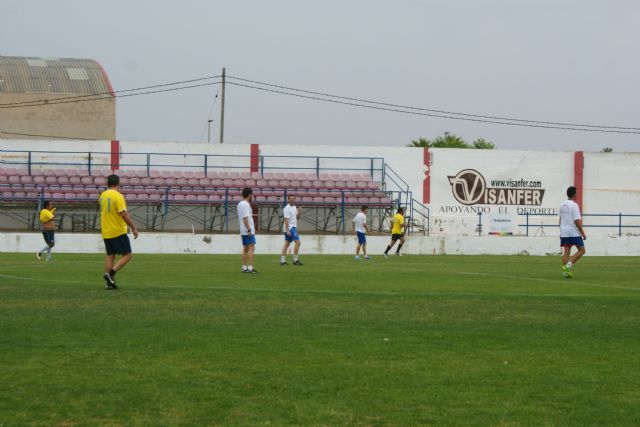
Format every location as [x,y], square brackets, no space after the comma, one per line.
[291,214]
[361,229]
[571,232]
[247,231]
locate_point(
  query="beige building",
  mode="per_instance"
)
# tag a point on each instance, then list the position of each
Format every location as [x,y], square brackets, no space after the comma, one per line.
[55,98]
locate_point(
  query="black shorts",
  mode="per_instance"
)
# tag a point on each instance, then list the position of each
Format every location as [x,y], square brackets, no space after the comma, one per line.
[49,237]
[118,245]
[395,237]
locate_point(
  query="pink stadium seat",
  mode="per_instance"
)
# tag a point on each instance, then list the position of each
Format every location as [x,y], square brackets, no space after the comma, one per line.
[177,174]
[11,171]
[157,181]
[234,175]
[295,183]
[307,199]
[191,198]
[204,182]
[300,176]
[7,194]
[280,175]
[341,184]
[47,180]
[256,175]
[194,182]
[74,180]
[144,197]
[331,200]
[262,183]
[19,194]
[63,180]
[202,198]
[318,200]
[245,175]
[329,184]
[305,184]
[59,172]
[317,184]
[171,181]
[269,175]
[335,177]
[273,183]
[284,183]
[32,195]
[362,185]
[227,182]
[69,196]
[155,197]
[5,179]
[26,179]
[74,172]
[238,183]
[146,181]
[372,185]
[273,199]
[87,180]
[324,176]
[182,182]
[250,183]
[57,195]
[352,184]
[156,173]
[217,183]
[179,197]
[188,174]
[199,175]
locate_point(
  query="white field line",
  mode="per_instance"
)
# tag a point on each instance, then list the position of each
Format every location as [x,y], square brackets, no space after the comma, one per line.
[537,279]
[142,286]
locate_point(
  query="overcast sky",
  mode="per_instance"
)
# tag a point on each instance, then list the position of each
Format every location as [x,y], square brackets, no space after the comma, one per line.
[570,61]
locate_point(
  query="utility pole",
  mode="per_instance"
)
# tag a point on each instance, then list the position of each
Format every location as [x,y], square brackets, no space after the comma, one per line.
[222,107]
[209,132]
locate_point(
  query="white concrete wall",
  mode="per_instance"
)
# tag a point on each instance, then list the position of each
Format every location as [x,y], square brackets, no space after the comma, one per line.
[152,243]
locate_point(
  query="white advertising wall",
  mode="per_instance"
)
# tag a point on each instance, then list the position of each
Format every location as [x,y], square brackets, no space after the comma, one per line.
[497,188]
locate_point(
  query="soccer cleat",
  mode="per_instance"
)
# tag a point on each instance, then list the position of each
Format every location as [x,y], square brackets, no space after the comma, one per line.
[246,270]
[285,263]
[357,257]
[367,257]
[385,255]
[398,254]
[567,272]
[111,283]
[297,262]
[254,271]
[38,256]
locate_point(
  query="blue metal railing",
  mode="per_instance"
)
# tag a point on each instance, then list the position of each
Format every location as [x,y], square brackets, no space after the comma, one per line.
[619,225]
[373,166]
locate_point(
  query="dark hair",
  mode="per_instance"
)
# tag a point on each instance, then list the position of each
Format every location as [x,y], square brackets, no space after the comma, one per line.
[113,180]
[571,192]
[246,192]
[400,210]
[46,203]
[364,207]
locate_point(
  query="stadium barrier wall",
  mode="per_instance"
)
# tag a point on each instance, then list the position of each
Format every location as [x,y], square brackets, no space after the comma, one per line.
[173,243]
[610,180]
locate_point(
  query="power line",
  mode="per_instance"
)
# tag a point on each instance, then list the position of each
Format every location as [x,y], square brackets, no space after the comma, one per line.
[115,94]
[449,113]
[444,116]
[46,136]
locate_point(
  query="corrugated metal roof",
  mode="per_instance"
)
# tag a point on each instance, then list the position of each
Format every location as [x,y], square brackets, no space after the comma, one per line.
[52,76]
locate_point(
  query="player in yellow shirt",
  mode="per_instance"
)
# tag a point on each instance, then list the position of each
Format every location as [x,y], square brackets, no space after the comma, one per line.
[113,224]
[397,232]
[47,217]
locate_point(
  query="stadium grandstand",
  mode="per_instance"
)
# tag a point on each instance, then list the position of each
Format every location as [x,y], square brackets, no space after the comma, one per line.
[31,86]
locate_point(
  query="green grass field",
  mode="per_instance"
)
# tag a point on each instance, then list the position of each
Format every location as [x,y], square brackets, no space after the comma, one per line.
[441,340]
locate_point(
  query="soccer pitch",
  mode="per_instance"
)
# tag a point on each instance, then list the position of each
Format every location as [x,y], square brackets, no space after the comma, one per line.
[442,340]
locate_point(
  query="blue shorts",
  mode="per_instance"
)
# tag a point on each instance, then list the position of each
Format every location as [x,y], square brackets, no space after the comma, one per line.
[248,240]
[362,238]
[118,245]
[293,237]
[49,238]
[571,241]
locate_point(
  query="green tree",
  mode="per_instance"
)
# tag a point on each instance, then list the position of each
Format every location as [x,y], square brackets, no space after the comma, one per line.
[451,141]
[607,150]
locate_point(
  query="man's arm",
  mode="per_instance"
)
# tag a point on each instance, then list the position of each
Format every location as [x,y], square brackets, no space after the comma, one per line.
[245,220]
[578,223]
[353,225]
[127,219]
[286,226]
[366,227]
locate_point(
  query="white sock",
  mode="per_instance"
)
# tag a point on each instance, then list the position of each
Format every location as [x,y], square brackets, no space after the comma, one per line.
[251,268]
[43,250]
[569,264]
[49,252]
[283,258]
[244,267]
[295,257]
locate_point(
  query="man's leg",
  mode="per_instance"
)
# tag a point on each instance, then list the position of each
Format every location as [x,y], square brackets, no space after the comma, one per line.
[124,259]
[400,246]
[49,247]
[364,249]
[566,251]
[108,263]
[250,250]
[389,246]
[358,249]
[283,255]
[245,250]
[578,255]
